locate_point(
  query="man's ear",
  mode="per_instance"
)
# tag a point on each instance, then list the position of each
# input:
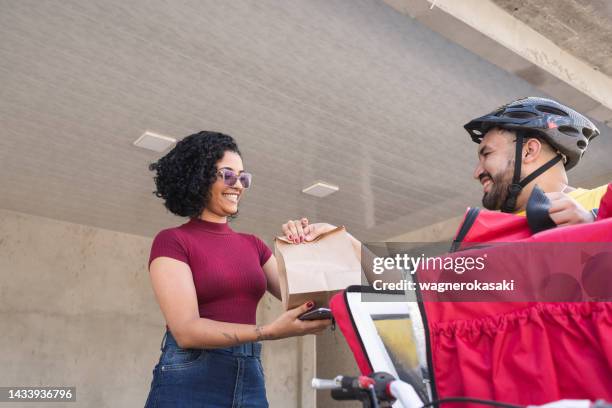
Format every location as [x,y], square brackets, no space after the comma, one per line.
[531,150]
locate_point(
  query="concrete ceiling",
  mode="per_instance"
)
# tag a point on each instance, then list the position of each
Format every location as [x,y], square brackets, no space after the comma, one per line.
[581,27]
[498,36]
[349,91]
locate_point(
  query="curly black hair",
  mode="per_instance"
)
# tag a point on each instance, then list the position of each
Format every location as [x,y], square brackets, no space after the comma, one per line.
[184,175]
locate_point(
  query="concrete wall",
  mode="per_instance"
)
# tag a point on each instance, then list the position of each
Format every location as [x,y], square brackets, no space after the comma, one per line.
[334,357]
[77,309]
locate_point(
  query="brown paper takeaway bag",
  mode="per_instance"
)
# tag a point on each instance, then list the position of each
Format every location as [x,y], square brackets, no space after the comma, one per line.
[316,270]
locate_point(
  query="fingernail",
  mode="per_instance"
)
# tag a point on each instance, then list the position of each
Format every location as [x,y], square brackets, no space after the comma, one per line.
[310,304]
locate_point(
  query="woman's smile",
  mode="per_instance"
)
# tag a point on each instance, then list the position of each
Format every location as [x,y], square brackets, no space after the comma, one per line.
[232,197]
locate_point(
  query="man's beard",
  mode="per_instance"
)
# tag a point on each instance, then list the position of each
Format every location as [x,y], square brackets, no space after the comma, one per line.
[494,199]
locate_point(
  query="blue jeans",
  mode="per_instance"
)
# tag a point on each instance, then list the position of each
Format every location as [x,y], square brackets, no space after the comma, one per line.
[230,377]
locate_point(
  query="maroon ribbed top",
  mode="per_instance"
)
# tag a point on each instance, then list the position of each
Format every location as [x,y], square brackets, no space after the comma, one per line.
[226,267]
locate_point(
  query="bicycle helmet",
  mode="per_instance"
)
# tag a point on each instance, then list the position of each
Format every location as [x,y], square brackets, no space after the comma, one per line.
[566,130]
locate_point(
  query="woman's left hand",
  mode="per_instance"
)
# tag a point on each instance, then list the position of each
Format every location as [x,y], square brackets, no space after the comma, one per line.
[298,231]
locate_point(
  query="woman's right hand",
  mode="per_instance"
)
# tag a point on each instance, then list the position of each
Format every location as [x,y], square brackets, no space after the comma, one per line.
[288,324]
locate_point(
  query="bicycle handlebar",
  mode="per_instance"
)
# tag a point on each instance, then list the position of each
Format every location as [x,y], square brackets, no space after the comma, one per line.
[383,387]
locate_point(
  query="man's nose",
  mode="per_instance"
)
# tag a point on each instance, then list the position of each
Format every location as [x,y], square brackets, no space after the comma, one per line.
[478,171]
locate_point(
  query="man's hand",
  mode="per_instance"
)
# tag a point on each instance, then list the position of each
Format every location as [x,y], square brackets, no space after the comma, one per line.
[298,231]
[564,210]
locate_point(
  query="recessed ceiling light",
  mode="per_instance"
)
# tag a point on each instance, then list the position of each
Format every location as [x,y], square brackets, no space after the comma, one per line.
[155,142]
[320,189]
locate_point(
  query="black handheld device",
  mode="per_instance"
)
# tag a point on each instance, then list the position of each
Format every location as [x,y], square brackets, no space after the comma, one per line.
[320,313]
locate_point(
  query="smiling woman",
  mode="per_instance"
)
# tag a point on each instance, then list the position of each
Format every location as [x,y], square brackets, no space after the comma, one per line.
[208,280]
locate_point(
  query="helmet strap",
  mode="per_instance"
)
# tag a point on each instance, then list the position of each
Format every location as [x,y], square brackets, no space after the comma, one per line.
[517,185]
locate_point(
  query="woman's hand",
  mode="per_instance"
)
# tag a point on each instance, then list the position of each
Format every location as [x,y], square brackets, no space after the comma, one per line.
[298,231]
[288,325]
